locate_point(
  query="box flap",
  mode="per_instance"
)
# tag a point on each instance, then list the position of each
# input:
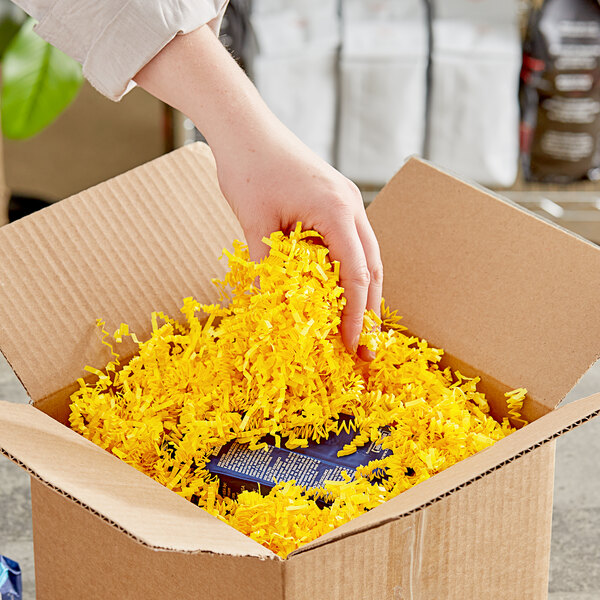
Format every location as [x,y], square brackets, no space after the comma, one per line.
[111,489]
[139,242]
[510,294]
[508,449]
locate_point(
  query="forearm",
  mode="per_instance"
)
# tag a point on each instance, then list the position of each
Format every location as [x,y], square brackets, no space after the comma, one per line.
[195,74]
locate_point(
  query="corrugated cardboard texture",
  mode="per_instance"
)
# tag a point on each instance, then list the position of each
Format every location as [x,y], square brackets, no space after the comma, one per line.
[470,548]
[116,492]
[471,470]
[497,287]
[467,546]
[137,243]
[131,501]
[78,556]
[382,563]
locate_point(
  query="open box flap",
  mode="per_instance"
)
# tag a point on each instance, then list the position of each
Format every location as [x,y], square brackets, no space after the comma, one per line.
[113,490]
[510,294]
[519,443]
[139,242]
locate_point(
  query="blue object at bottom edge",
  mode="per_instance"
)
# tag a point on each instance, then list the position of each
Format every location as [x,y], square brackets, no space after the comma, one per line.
[11,587]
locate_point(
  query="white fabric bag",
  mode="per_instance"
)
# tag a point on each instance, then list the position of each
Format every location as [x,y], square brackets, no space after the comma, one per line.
[383,72]
[301,91]
[474,113]
[293,62]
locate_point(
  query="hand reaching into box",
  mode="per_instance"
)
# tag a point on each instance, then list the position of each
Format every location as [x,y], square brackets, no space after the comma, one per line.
[269,177]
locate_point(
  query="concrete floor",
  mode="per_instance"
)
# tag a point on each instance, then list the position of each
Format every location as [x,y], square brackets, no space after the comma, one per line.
[575,559]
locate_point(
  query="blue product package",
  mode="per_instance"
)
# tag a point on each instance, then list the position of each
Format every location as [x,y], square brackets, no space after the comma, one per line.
[240,468]
[10,579]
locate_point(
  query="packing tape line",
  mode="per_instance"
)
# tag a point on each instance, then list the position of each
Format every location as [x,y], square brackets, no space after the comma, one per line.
[403,537]
[416,555]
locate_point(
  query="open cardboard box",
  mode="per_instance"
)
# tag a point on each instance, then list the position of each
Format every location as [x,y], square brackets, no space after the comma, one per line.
[507,295]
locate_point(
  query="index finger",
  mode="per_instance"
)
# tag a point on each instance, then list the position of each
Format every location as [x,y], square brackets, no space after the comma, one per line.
[372,254]
[346,247]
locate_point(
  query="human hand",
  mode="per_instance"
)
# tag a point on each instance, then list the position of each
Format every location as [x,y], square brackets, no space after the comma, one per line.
[270,178]
[274,181]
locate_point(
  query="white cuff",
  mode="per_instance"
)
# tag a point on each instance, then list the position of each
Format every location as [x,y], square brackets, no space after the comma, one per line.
[115,39]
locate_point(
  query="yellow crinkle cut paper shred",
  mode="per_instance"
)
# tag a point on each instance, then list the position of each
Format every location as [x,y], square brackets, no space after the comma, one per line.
[269,360]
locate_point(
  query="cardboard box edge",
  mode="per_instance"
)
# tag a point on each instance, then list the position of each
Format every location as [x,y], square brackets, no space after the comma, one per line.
[394,188]
[583,414]
[114,524]
[261,551]
[481,188]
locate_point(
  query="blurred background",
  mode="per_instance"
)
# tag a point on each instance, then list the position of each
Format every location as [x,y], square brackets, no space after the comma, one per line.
[502,93]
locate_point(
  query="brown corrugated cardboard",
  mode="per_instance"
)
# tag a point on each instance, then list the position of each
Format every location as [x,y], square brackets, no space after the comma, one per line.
[486,541]
[470,470]
[130,501]
[98,562]
[509,296]
[493,285]
[137,243]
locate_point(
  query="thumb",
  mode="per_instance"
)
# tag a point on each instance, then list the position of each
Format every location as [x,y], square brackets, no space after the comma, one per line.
[257,248]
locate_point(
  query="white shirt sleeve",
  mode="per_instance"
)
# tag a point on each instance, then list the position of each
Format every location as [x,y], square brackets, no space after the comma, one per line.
[114,39]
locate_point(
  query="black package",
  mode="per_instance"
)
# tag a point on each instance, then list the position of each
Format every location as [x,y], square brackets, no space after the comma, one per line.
[560,92]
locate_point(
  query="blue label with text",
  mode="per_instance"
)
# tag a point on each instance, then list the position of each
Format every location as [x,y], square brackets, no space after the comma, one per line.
[240,468]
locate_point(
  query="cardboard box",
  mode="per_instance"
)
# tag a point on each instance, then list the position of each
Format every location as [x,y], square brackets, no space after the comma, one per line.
[507,295]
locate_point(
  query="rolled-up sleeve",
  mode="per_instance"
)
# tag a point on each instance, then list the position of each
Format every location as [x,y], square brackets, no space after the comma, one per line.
[114,39]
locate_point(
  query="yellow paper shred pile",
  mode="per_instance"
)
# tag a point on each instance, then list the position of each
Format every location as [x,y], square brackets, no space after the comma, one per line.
[269,360]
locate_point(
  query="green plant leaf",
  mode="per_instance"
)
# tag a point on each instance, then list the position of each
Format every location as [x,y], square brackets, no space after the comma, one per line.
[9,27]
[38,83]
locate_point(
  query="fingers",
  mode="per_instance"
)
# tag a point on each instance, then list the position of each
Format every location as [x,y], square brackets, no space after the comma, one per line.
[351,241]
[345,246]
[373,256]
[257,248]
[261,226]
